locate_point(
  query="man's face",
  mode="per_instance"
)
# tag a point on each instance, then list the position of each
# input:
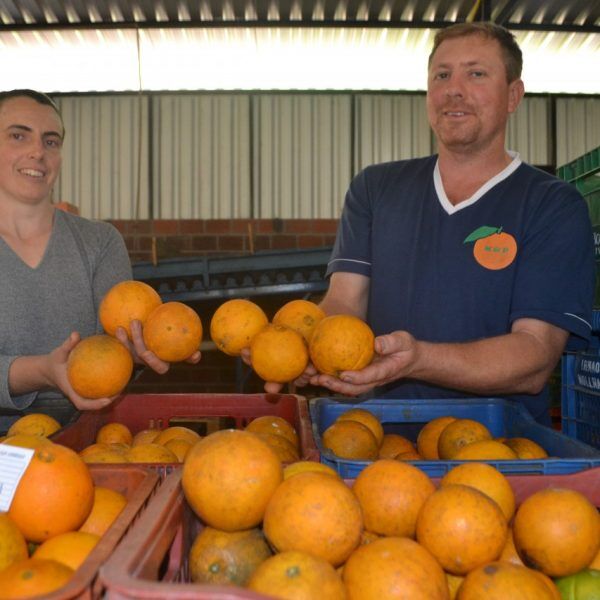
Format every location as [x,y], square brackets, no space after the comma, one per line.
[468,97]
[30,150]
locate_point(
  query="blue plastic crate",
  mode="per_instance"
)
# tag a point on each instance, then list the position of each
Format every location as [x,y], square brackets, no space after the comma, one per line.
[580,410]
[501,417]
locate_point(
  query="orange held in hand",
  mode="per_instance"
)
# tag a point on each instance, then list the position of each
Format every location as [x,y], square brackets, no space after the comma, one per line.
[173,331]
[99,367]
[234,325]
[301,315]
[125,302]
[278,354]
[341,343]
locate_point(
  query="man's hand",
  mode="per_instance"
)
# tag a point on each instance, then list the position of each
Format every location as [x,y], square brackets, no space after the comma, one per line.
[141,354]
[395,356]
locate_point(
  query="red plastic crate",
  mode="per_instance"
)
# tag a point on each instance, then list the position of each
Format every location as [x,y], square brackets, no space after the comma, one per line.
[137,484]
[137,411]
[151,562]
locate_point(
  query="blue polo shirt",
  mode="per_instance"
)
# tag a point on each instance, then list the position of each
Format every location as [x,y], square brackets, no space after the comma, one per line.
[534,258]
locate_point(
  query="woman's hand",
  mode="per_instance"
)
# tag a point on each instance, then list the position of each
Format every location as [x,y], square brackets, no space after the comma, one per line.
[141,354]
[56,373]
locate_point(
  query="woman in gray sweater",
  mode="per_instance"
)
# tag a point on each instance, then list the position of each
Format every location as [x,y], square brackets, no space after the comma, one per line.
[54,266]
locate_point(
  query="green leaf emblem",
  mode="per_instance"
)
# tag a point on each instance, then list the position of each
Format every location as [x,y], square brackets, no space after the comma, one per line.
[481,232]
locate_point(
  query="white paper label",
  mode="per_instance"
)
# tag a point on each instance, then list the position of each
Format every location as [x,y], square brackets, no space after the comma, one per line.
[13,462]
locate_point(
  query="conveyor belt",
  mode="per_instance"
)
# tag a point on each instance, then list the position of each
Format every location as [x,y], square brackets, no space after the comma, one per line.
[263,273]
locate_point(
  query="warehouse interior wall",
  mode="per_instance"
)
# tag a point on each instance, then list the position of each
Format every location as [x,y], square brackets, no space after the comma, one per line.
[246,171]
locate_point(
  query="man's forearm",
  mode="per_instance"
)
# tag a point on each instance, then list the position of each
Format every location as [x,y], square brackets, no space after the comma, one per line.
[508,364]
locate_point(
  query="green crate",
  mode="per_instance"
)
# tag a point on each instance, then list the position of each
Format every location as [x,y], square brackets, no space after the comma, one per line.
[584,174]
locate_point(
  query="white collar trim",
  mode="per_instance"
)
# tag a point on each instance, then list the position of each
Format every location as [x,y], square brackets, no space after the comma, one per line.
[488,185]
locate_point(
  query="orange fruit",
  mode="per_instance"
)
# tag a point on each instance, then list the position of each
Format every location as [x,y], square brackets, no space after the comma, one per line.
[34,424]
[278,353]
[177,432]
[299,576]
[485,450]
[150,453]
[275,425]
[557,531]
[350,439]
[462,527]
[13,546]
[227,557]
[102,453]
[525,448]
[127,301]
[228,478]
[301,466]
[486,479]
[284,449]
[394,567]
[33,577]
[25,440]
[54,495]
[427,440]
[504,580]
[145,436]
[391,494]
[70,548]
[509,552]
[99,366]
[173,331]
[409,455]
[341,343]
[595,564]
[108,505]
[301,316]
[459,433]
[179,447]
[314,513]
[114,433]
[366,418]
[235,323]
[454,582]
[393,444]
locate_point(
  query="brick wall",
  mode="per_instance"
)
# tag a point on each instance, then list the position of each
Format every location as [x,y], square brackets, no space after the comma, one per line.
[169,238]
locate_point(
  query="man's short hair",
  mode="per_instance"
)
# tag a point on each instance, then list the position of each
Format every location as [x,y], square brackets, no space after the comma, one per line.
[512,55]
[39,97]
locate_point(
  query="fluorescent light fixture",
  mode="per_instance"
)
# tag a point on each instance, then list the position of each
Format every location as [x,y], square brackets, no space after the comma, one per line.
[267,58]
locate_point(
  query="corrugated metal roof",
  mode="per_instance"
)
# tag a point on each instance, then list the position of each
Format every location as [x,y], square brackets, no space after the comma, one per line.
[565,15]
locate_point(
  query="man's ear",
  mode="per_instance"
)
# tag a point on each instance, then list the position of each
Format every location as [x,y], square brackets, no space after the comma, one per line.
[516,91]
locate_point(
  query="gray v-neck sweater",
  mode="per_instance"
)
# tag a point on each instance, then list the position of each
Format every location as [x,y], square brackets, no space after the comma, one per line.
[41,306]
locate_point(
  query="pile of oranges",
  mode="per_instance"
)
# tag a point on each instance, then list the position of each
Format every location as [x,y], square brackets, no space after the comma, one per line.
[100,366]
[357,434]
[57,515]
[301,531]
[299,332]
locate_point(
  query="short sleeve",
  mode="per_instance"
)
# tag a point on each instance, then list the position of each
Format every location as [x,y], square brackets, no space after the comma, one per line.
[556,271]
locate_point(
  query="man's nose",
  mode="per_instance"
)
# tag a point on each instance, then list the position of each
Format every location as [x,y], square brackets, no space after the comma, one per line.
[454,87]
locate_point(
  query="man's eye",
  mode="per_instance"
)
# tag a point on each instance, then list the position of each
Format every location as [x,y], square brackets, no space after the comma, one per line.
[477,74]
[442,76]
[17,136]
[54,143]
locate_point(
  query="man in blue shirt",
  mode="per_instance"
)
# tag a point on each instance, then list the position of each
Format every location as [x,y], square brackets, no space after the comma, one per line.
[474,269]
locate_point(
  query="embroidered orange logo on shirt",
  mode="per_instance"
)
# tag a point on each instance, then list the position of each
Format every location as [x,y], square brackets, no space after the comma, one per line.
[494,249]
